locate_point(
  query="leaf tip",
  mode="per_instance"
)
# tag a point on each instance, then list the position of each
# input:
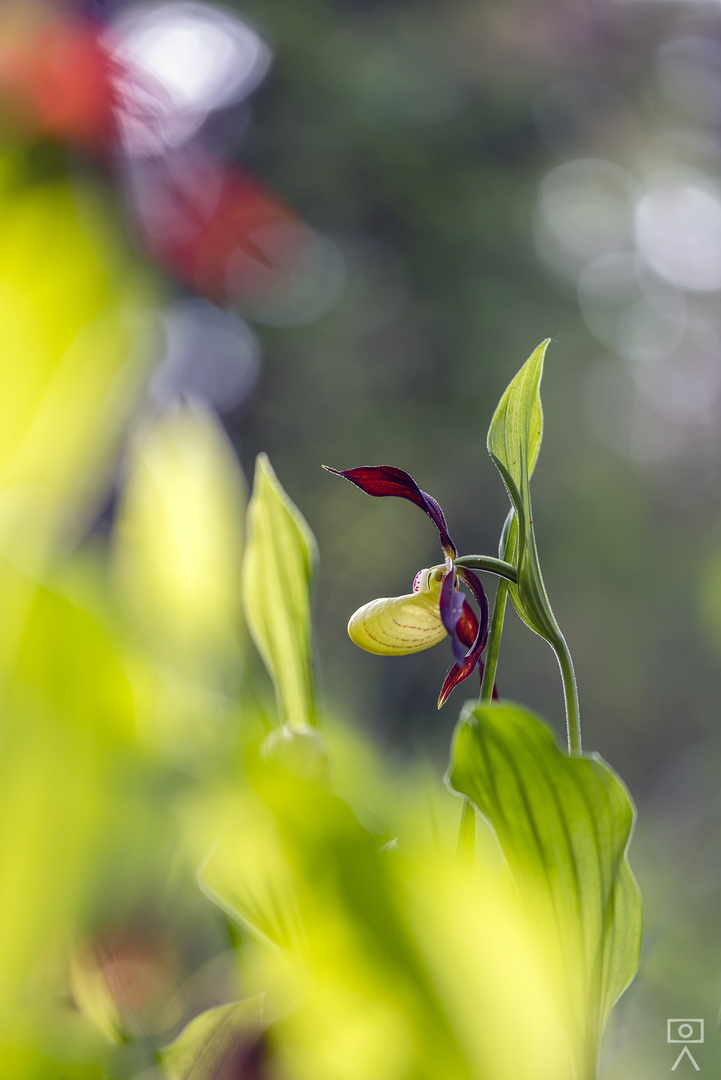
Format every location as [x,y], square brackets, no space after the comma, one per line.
[263,467]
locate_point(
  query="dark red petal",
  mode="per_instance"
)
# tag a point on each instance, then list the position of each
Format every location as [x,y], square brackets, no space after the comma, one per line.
[474,584]
[450,605]
[461,671]
[379,480]
[467,625]
[455,676]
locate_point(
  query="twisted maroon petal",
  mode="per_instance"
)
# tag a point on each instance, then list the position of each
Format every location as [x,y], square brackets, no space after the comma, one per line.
[379,480]
[451,603]
[462,670]
[467,627]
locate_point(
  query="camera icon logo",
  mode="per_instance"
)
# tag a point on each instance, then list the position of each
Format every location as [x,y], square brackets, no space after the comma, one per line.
[684,1031]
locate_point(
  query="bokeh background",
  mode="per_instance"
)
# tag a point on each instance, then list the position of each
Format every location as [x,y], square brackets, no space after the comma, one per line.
[349,223]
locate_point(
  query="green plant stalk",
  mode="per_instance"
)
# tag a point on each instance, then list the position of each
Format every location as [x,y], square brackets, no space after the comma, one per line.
[467,829]
[544,623]
[550,630]
[494,641]
[505,549]
[570,695]
[499,567]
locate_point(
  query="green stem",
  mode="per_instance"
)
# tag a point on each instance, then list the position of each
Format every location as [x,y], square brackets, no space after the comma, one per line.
[494,641]
[499,567]
[467,830]
[570,695]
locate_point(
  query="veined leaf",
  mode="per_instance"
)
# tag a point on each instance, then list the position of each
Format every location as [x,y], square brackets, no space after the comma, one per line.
[220,1044]
[280,557]
[564,825]
[514,439]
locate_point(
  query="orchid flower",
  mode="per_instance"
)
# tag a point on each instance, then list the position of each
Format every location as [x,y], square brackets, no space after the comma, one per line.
[436,608]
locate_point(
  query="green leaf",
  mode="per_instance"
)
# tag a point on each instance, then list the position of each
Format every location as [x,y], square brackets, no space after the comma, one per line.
[248,874]
[514,439]
[564,825]
[280,558]
[72,356]
[217,1045]
[178,536]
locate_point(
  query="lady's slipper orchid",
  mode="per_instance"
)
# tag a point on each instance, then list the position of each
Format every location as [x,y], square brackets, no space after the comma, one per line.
[399,625]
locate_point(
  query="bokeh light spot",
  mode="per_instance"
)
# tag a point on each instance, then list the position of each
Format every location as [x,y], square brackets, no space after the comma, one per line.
[678,230]
[584,212]
[184,60]
[210,354]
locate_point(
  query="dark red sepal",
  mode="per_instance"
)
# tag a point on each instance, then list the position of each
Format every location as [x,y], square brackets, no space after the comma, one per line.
[379,480]
[461,671]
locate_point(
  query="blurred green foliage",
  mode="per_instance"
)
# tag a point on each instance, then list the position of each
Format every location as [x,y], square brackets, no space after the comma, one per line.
[416,136]
[135,750]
